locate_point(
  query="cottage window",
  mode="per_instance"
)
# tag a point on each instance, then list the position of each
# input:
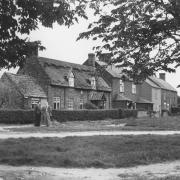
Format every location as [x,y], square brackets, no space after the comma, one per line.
[56,103]
[81,104]
[133,88]
[93,82]
[71,80]
[121,86]
[34,101]
[164,104]
[70,104]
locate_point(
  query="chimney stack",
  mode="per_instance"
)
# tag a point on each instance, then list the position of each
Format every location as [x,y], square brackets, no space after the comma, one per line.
[91,60]
[162,76]
[33,50]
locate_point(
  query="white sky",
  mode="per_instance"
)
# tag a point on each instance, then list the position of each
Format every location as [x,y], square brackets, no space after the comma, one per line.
[61,44]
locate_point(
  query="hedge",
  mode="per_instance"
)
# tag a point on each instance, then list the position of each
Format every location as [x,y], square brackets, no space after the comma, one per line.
[175,110]
[16,116]
[27,116]
[80,115]
[126,113]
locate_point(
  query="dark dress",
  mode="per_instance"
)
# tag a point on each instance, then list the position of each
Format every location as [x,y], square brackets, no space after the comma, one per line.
[37,111]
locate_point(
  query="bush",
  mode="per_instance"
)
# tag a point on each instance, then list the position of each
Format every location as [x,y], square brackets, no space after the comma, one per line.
[175,110]
[126,113]
[89,105]
[16,116]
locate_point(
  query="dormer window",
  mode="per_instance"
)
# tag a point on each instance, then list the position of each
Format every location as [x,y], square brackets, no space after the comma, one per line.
[93,83]
[121,86]
[71,80]
[133,88]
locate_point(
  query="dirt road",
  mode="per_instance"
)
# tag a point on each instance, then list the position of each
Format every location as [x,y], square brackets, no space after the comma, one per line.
[45,173]
[9,134]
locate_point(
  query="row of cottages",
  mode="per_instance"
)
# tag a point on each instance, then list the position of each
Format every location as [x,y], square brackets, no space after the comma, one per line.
[70,86]
[64,85]
[153,94]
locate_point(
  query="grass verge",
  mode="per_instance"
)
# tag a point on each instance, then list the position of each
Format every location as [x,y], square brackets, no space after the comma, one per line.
[141,124]
[97,151]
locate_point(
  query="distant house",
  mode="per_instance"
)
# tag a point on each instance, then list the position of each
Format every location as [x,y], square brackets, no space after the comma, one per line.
[25,91]
[66,85]
[168,93]
[153,94]
[125,94]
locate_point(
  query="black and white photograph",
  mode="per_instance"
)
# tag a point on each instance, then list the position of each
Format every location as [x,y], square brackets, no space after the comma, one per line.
[89,89]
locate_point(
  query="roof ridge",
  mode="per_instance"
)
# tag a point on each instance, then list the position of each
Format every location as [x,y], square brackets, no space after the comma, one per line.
[67,62]
[15,85]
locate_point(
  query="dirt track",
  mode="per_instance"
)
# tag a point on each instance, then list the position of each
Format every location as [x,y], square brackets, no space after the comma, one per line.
[6,134]
[46,173]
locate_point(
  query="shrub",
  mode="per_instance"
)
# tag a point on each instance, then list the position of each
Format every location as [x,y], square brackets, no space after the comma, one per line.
[16,116]
[175,110]
[126,113]
[90,105]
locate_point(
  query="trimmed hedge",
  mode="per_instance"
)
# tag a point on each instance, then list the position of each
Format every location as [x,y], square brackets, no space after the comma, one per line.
[80,115]
[16,116]
[27,116]
[175,110]
[127,113]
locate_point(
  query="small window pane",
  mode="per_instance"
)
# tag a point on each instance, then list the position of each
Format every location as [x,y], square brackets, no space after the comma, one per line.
[56,103]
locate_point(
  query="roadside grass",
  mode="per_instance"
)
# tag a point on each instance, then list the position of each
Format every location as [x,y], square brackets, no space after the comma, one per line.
[97,151]
[162,123]
[141,124]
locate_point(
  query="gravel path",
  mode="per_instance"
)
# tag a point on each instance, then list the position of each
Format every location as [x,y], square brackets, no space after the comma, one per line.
[46,173]
[9,134]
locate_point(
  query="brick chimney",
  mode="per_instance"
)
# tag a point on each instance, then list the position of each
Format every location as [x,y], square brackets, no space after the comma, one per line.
[33,50]
[162,76]
[91,60]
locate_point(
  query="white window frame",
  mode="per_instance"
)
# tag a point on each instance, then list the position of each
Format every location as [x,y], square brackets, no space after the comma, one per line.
[133,88]
[56,103]
[81,104]
[93,82]
[70,103]
[71,80]
[121,86]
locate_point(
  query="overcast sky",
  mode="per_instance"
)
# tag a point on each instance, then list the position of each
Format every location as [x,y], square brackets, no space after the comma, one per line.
[61,44]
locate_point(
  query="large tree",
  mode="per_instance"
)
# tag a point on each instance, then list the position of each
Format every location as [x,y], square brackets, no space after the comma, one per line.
[19,17]
[143,36]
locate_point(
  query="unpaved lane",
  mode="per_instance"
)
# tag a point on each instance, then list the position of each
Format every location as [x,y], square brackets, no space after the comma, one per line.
[45,173]
[6,135]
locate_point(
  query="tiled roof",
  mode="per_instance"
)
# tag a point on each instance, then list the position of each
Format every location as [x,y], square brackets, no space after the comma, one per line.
[162,84]
[26,85]
[121,97]
[152,84]
[143,101]
[96,96]
[111,69]
[58,72]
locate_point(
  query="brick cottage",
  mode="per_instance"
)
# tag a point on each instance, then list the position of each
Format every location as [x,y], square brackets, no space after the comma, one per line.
[64,85]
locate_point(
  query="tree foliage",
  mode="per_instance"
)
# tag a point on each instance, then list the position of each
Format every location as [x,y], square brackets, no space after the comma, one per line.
[19,17]
[143,36]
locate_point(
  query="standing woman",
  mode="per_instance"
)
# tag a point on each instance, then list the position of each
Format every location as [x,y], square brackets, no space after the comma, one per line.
[48,116]
[37,111]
